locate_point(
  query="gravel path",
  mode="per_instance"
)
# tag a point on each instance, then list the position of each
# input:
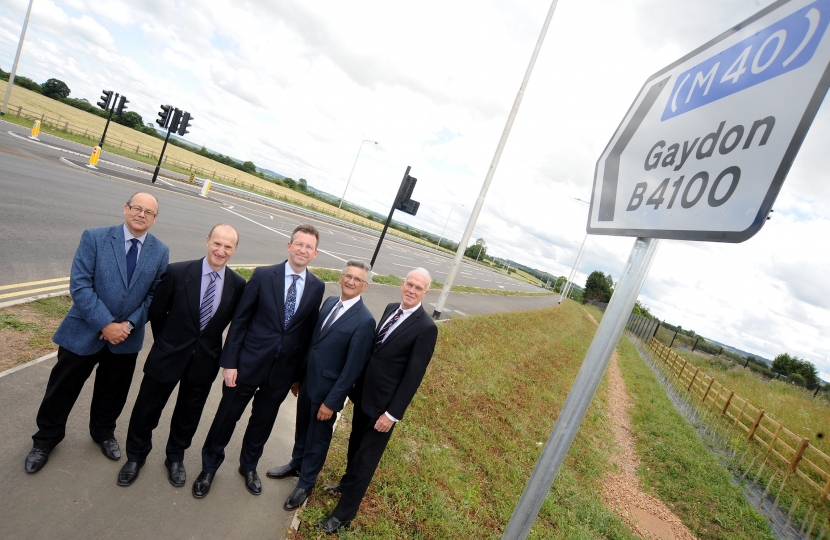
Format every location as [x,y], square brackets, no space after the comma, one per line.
[647,516]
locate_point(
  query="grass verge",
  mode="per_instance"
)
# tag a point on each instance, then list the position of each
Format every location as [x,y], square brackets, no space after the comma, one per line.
[26,330]
[675,465]
[459,461]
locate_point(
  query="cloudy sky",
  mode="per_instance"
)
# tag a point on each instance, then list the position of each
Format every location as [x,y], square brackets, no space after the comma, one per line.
[296,86]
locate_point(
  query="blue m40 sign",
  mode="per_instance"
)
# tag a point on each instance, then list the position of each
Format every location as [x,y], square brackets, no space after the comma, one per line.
[705,148]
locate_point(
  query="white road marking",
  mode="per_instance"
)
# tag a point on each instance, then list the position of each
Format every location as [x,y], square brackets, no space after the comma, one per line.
[351,246]
[278,232]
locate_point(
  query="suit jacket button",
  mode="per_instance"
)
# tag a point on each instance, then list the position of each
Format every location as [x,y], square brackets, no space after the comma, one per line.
[123,296]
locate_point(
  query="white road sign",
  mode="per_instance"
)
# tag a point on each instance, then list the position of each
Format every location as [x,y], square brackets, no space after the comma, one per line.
[703,151]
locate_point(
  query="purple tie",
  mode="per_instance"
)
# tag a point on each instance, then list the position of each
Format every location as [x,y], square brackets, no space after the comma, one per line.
[386,327]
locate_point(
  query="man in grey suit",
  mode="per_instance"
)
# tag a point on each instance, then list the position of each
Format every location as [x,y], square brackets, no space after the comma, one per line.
[113,276]
[340,346]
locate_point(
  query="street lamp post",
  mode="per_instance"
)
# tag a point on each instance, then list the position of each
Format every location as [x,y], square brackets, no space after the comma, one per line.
[445,225]
[350,175]
[16,59]
[567,286]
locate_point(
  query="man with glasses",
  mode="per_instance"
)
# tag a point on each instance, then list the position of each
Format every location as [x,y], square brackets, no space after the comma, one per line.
[340,346]
[113,276]
[262,358]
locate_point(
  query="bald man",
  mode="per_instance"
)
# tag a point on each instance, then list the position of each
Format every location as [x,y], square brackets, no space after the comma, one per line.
[113,276]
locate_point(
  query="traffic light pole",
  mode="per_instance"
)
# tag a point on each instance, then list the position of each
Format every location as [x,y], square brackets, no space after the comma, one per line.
[106,127]
[161,156]
[389,219]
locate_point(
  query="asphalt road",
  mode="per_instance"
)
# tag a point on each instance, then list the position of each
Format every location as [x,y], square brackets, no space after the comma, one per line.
[49,197]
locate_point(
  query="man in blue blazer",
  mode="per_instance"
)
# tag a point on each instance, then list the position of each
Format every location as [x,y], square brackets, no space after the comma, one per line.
[262,358]
[340,346]
[114,274]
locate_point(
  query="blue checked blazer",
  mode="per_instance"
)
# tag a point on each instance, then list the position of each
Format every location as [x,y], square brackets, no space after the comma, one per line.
[101,294]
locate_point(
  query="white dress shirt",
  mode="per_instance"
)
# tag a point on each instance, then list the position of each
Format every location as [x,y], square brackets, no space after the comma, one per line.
[346,305]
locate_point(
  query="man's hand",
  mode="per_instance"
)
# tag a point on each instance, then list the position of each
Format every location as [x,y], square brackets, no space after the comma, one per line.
[115,332]
[384,424]
[295,388]
[230,376]
[324,413]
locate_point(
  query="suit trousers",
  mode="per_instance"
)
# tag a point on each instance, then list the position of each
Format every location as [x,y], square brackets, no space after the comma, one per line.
[312,439]
[152,398]
[366,447]
[112,383]
[264,412]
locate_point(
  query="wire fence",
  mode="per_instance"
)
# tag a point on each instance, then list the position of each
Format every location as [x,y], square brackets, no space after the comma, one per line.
[790,475]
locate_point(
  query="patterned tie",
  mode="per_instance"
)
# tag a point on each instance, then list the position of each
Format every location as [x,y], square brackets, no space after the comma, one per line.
[386,327]
[132,257]
[332,317]
[291,301]
[206,309]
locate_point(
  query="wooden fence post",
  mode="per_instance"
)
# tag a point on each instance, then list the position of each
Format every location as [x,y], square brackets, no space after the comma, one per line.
[711,381]
[689,388]
[799,454]
[728,401]
[755,424]
[682,369]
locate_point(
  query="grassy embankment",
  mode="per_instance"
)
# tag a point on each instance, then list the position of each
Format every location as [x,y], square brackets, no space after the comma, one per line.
[459,462]
[26,330]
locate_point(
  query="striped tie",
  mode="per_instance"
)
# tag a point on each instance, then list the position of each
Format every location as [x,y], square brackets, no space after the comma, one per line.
[386,327]
[206,309]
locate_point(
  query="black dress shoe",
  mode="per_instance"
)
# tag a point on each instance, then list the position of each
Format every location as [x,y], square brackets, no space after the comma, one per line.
[282,472]
[36,459]
[175,472]
[252,481]
[331,525]
[129,472]
[297,498]
[110,449]
[202,484]
[335,489]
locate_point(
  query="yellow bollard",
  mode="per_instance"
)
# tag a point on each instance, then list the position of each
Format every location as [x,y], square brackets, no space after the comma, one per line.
[192,177]
[205,188]
[93,158]
[35,130]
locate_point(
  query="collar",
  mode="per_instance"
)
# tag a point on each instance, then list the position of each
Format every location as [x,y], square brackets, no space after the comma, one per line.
[290,271]
[349,303]
[206,269]
[409,311]
[129,236]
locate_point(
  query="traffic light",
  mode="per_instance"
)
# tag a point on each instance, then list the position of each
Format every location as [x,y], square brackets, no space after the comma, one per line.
[174,122]
[405,202]
[164,115]
[122,105]
[184,124]
[106,97]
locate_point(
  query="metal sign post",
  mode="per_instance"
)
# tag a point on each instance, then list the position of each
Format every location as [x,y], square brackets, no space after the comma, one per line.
[584,388]
[700,155]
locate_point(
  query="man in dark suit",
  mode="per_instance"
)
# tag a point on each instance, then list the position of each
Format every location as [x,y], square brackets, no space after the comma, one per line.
[340,346]
[192,306]
[114,273]
[404,344]
[262,359]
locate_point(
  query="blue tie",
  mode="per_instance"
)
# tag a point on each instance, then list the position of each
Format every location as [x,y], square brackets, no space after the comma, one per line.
[291,301]
[132,257]
[206,309]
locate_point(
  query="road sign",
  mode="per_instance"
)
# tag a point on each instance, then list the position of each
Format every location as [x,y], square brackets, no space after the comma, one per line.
[704,149]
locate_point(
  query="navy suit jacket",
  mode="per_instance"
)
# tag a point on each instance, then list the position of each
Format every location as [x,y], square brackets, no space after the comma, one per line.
[257,331]
[336,357]
[174,319]
[396,368]
[101,294]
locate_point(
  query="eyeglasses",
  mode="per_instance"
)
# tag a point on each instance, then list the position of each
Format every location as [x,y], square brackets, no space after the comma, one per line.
[138,210]
[304,246]
[349,277]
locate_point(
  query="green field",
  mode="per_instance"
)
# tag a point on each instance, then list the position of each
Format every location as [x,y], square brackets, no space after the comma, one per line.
[457,465]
